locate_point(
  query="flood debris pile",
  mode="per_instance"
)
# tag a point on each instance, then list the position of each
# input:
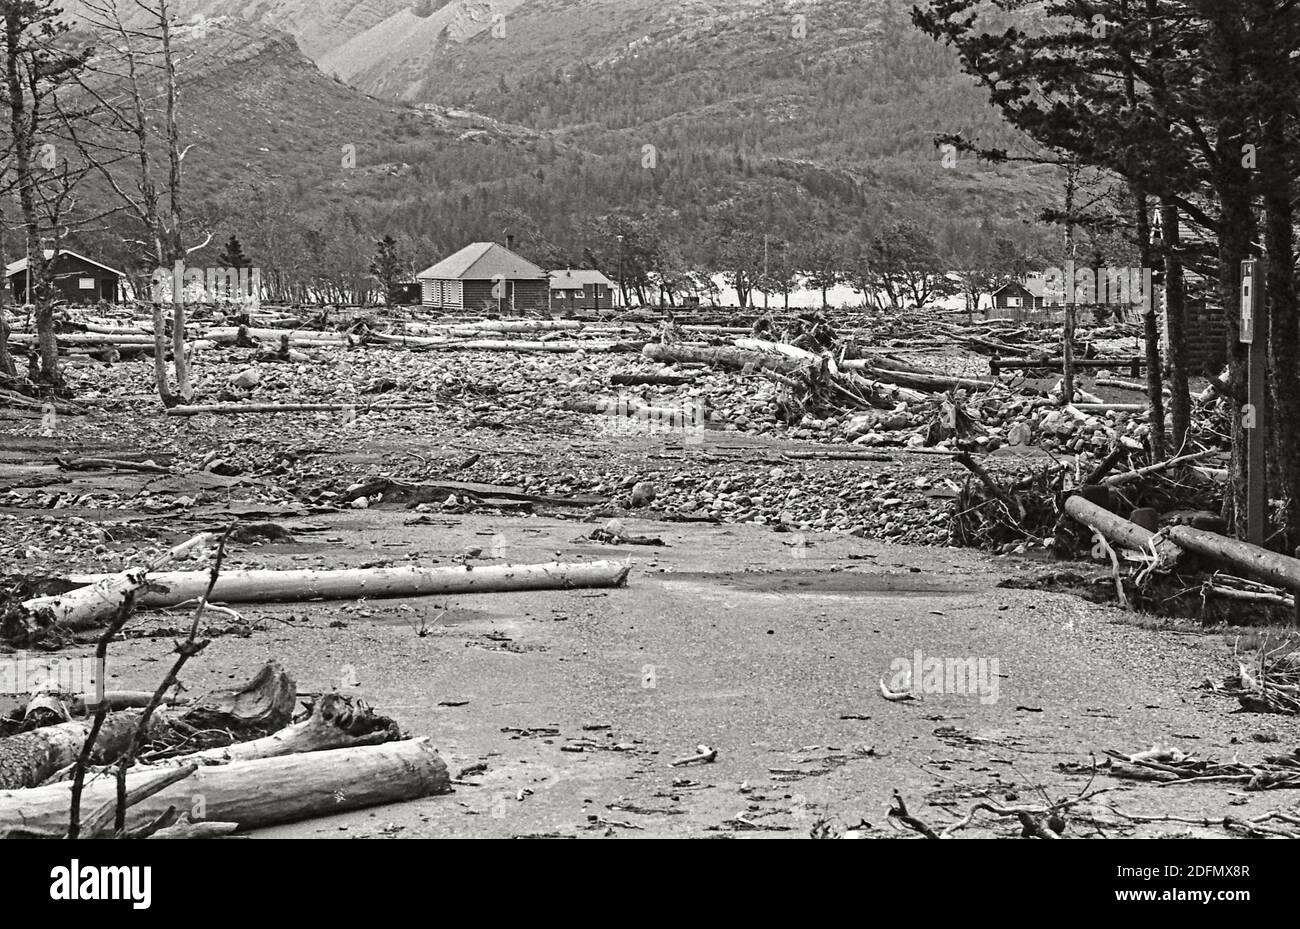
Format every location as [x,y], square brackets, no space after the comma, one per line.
[1266,681]
[254,761]
[922,426]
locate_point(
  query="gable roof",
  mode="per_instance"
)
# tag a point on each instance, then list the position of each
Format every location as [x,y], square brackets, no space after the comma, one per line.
[571,279]
[21,264]
[482,261]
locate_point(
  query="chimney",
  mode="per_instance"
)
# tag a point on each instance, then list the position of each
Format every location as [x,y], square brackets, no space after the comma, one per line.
[510,242]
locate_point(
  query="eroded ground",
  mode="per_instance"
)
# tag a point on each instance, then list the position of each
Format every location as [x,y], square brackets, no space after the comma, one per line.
[767,646]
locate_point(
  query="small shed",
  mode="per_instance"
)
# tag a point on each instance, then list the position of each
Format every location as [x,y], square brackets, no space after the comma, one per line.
[581,290]
[78,279]
[485,277]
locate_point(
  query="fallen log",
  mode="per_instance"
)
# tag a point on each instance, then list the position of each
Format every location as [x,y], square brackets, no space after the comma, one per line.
[783,348]
[266,586]
[928,382]
[1109,407]
[520,325]
[1122,532]
[439,491]
[1123,385]
[227,335]
[733,358]
[239,409]
[87,338]
[996,365]
[837,456]
[1140,473]
[656,380]
[257,793]
[86,607]
[1275,569]
[29,758]
[507,345]
[9,398]
[109,464]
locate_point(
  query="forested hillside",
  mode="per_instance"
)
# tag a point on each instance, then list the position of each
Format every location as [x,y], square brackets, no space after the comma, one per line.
[715,125]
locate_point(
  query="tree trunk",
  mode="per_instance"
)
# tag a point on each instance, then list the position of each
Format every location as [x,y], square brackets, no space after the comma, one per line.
[7,368]
[268,586]
[1283,324]
[720,357]
[1180,400]
[29,758]
[161,379]
[1259,563]
[1119,530]
[1150,329]
[1238,230]
[253,794]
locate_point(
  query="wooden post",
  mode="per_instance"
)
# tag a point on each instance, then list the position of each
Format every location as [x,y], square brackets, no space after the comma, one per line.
[1067,356]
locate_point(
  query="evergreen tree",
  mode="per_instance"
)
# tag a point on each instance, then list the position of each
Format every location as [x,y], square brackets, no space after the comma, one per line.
[232,256]
[387,268]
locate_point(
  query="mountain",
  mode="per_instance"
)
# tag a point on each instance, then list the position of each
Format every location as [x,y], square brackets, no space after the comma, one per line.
[555,114]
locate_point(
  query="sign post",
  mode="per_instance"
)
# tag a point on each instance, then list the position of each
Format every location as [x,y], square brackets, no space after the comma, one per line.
[1253,328]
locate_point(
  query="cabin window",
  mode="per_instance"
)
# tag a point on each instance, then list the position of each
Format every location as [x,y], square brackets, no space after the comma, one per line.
[1015,301]
[86,283]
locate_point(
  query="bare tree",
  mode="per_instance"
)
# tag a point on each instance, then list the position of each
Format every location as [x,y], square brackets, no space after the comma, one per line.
[37,65]
[134,84]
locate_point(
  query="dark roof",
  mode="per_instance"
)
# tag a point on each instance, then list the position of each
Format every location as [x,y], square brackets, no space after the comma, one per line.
[21,264]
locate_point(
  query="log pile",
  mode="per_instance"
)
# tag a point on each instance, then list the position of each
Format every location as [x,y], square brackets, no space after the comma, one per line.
[337,755]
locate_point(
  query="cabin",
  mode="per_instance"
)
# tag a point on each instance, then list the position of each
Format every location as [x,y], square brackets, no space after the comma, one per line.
[573,290]
[1029,294]
[485,277]
[78,279]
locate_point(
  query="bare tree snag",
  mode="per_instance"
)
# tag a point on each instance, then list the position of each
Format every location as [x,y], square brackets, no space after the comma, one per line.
[256,793]
[265,703]
[336,722]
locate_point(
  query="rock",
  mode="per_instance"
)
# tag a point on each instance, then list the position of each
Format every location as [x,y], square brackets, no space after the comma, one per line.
[247,379]
[643,494]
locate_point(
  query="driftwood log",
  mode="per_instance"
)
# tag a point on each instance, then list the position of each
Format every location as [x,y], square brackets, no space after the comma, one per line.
[267,586]
[90,606]
[256,793]
[240,409]
[734,358]
[29,758]
[1120,531]
[335,722]
[1279,570]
